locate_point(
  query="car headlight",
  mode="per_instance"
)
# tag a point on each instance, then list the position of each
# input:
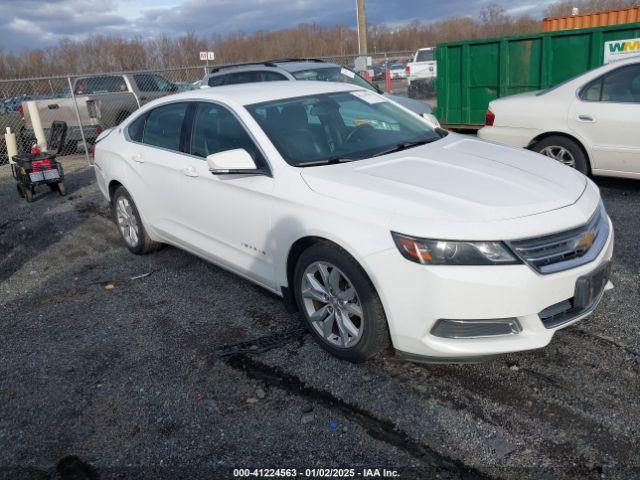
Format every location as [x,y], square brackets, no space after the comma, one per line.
[447,252]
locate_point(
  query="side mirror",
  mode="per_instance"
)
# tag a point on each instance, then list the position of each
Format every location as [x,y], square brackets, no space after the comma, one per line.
[236,161]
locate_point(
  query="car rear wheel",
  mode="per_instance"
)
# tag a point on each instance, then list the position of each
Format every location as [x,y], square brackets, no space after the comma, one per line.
[339,303]
[564,150]
[129,223]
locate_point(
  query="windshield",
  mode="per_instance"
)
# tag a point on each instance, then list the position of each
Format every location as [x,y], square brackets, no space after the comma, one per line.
[341,126]
[333,74]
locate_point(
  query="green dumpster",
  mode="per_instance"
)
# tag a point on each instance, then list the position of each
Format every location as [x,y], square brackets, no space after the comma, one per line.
[471,73]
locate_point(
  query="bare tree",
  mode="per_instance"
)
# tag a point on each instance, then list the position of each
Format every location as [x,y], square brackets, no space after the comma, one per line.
[100,53]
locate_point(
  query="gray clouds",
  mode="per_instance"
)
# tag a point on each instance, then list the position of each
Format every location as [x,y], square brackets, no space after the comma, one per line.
[39,23]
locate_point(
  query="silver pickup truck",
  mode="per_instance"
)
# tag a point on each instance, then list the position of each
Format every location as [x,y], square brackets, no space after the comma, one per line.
[122,94]
[63,110]
[103,102]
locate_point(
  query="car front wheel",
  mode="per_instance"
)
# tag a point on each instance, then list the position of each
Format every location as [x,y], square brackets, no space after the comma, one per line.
[129,223]
[339,303]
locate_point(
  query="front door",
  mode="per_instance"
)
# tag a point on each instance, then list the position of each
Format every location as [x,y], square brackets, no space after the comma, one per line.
[228,216]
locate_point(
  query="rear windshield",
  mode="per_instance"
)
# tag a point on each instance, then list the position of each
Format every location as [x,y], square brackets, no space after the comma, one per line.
[425,56]
[558,85]
[102,84]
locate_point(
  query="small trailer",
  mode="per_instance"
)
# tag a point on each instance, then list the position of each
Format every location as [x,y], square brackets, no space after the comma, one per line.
[33,169]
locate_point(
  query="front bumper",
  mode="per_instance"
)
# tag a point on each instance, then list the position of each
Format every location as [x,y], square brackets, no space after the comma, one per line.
[415,297]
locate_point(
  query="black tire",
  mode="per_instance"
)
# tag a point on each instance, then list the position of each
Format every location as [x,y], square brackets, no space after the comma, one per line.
[62,189]
[580,159]
[374,338]
[28,194]
[144,243]
[20,191]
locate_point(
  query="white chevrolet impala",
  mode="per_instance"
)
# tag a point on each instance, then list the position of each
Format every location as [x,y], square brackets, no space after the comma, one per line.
[378,229]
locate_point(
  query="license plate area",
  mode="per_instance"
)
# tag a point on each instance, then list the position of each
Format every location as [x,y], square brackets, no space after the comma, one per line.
[589,287]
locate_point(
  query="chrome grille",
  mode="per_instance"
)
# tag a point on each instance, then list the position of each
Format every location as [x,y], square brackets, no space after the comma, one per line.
[565,250]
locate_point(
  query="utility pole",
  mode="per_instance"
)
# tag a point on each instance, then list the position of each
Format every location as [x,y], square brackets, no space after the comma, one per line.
[362,28]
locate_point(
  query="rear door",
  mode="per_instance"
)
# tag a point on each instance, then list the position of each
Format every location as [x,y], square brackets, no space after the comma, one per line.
[157,164]
[606,115]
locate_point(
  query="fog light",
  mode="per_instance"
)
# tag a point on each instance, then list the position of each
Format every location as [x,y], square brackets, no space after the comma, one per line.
[447,328]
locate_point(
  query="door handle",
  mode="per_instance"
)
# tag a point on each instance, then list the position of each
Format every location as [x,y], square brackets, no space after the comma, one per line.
[586,118]
[137,158]
[189,172]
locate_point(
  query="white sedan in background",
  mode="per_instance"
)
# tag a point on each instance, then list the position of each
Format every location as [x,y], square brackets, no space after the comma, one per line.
[590,122]
[378,228]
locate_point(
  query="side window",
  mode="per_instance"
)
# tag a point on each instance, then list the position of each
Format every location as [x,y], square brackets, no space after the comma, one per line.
[241,77]
[136,128]
[217,81]
[216,129]
[622,85]
[425,56]
[104,84]
[145,82]
[152,83]
[593,91]
[268,76]
[164,126]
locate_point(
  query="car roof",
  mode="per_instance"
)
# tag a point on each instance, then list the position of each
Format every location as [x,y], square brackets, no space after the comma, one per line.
[250,93]
[304,65]
[272,65]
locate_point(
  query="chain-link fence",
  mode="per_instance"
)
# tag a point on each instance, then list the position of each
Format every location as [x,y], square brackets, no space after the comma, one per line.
[90,103]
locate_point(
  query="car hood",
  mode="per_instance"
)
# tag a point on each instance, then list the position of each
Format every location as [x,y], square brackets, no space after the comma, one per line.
[456,179]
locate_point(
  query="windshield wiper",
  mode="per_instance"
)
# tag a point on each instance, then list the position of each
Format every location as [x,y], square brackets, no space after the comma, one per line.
[404,145]
[327,161]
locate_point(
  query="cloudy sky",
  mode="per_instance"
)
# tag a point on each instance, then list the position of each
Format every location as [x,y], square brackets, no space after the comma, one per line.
[38,23]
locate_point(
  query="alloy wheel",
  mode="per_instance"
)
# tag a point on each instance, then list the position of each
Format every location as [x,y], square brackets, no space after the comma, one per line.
[559,153]
[127,222]
[332,305]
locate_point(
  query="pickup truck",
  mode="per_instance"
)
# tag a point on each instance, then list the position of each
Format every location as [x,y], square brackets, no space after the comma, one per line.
[421,73]
[120,95]
[103,100]
[62,110]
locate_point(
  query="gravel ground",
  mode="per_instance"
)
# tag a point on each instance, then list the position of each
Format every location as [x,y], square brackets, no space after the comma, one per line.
[112,366]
